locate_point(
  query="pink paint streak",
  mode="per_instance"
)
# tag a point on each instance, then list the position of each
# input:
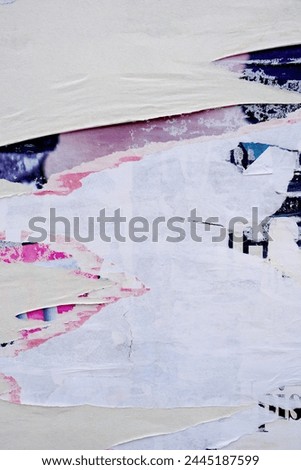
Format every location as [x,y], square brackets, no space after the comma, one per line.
[66,183]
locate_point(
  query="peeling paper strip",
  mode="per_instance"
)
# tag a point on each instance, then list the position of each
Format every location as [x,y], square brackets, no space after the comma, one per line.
[266,425]
[33,161]
[66,160]
[211,435]
[241,289]
[47,260]
[70,180]
[63,288]
[127,55]
[58,428]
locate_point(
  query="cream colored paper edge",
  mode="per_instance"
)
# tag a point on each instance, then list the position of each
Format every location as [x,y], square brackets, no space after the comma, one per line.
[74,64]
[88,427]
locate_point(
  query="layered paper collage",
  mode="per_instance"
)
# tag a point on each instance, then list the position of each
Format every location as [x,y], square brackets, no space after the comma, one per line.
[150,224]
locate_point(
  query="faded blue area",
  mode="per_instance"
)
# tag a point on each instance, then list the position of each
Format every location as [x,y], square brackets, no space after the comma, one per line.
[256,147]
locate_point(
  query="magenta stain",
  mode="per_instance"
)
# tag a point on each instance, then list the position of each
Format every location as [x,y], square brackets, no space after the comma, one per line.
[14,392]
[65,308]
[67,183]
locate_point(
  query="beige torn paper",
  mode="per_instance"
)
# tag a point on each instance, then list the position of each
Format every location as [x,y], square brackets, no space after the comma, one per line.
[88,427]
[73,65]
[9,189]
[25,287]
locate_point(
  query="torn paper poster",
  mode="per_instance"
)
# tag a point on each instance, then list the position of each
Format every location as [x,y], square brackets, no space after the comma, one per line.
[58,164]
[259,427]
[153,350]
[281,432]
[195,196]
[102,62]
[36,162]
[212,435]
[100,428]
[278,67]
[39,263]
